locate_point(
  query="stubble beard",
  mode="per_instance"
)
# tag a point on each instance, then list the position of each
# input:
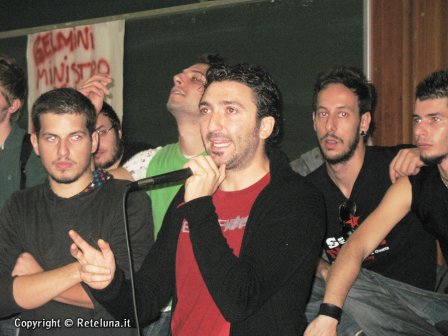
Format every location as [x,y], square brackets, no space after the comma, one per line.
[69,180]
[240,159]
[433,160]
[118,152]
[344,157]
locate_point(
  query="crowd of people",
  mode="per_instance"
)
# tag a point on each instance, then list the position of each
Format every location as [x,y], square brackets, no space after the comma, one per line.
[244,246]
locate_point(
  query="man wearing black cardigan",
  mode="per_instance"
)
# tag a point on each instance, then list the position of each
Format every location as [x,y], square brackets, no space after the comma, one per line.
[239,244]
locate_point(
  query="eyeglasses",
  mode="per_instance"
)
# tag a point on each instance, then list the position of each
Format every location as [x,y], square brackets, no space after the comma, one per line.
[102,132]
[347,211]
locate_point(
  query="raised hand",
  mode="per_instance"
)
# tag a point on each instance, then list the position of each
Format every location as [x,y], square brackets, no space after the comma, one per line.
[97,267]
[26,265]
[95,88]
[206,177]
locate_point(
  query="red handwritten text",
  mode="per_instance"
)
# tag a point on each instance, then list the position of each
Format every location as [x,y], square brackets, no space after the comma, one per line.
[47,44]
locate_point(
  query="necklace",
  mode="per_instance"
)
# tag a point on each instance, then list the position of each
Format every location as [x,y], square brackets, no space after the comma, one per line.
[100,176]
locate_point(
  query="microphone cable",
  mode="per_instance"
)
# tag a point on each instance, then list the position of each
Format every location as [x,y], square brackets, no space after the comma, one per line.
[174,176]
[130,261]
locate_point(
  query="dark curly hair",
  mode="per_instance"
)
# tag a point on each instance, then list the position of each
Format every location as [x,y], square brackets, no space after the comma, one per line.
[13,83]
[434,86]
[267,96]
[64,101]
[355,80]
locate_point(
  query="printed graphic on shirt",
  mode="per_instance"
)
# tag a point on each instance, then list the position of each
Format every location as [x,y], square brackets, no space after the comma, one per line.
[334,244]
[232,224]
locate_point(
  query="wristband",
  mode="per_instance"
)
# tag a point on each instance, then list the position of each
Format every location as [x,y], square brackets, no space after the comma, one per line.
[331,310]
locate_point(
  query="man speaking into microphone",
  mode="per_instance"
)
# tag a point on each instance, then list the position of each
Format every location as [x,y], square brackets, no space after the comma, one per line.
[240,242]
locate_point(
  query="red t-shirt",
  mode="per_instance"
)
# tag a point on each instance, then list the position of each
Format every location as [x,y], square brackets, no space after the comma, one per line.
[196,313]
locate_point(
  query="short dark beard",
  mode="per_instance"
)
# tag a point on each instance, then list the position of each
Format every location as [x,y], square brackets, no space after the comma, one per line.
[69,180]
[119,148]
[345,156]
[435,160]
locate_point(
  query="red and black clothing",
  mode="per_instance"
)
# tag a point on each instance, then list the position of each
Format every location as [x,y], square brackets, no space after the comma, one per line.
[262,291]
[408,253]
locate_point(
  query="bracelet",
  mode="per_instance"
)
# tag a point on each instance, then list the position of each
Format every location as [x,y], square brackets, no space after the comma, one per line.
[331,310]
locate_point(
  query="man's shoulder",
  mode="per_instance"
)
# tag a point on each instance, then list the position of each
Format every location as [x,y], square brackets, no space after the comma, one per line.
[381,154]
[168,158]
[426,179]
[29,195]
[308,162]
[15,138]
[318,177]
[296,188]
[169,151]
[116,188]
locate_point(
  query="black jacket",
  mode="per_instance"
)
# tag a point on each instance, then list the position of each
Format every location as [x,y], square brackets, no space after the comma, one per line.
[261,292]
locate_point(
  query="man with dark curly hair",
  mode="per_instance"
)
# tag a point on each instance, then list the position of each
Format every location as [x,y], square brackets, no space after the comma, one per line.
[240,242]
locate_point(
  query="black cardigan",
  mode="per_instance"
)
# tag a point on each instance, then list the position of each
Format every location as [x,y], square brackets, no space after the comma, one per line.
[261,292]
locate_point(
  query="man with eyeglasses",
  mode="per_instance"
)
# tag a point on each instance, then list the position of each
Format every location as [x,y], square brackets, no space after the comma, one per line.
[113,151]
[353,180]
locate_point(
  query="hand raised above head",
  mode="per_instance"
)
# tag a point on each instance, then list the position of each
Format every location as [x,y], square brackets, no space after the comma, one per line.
[97,267]
[95,88]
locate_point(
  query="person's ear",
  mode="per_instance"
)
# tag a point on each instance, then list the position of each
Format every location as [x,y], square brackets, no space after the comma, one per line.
[35,143]
[15,106]
[365,123]
[95,138]
[266,127]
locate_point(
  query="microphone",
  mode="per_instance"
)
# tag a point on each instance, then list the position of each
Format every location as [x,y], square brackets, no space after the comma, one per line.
[174,176]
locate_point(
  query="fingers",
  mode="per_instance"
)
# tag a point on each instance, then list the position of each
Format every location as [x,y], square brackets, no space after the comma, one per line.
[322,326]
[106,250]
[205,179]
[203,165]
[76,253]
[97,83]
[79,241]
[96,276]
[222,174]
[93,269]
[392,173]
[407,162]
[95,88]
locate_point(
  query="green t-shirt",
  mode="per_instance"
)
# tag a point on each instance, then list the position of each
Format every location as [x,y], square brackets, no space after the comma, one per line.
[167,159]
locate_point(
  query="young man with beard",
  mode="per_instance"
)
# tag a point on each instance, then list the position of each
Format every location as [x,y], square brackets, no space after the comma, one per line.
[112,151]
[353,180]
[183,102]
[239,244]
[39,278]
[426,195]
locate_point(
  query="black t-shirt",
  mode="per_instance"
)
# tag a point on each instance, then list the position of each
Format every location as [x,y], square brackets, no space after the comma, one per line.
[430,203]
[408,253]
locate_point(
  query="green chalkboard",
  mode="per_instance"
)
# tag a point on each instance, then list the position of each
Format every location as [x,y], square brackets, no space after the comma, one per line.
[293,40]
